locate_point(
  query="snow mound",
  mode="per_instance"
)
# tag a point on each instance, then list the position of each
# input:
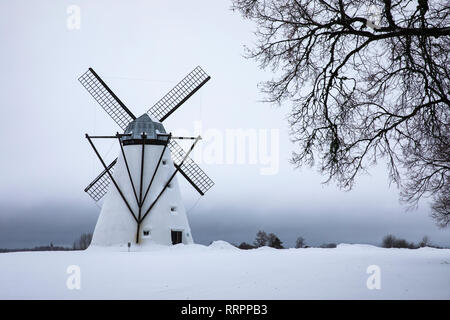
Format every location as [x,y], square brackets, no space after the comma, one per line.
[428,249]
[187,248]
[356,246]
[266,248]
[222,245]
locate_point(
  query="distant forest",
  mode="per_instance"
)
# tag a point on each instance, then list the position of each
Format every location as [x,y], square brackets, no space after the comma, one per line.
[80,244]
[272,240]
[262,239]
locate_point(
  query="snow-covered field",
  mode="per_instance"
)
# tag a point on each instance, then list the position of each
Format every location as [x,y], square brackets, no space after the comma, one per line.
[220,271]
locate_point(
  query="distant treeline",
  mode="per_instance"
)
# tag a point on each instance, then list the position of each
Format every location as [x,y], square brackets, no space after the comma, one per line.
[262,239]
[272,240]
[41,248]
[80,244]
[391,241]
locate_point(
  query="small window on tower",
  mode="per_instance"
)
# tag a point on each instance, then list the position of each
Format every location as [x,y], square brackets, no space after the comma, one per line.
[173,209]
[146,233]
[164,162]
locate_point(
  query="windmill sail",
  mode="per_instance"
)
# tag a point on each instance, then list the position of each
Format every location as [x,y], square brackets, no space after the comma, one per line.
[99,186]
[189,169]
[106,98]
[160,111]
[179,94]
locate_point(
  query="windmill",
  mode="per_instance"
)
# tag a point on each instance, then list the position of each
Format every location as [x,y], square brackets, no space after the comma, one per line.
[144,203]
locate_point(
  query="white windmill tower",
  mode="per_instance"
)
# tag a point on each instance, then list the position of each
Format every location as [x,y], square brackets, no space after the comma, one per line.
[144,204]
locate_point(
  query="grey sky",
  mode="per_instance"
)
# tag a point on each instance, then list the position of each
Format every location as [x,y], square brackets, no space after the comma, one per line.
[142,49]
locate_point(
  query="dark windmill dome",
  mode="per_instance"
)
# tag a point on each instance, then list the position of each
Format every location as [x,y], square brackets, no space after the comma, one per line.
[144,124]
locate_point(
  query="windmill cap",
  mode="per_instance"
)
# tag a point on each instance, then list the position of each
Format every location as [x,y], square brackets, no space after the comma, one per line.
[145,125]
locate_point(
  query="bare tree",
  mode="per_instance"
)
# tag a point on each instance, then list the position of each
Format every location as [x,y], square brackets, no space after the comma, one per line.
[274,241]
[83,242]
[425,242]
[261,239]
[363,89]
[388,241]
[300,242]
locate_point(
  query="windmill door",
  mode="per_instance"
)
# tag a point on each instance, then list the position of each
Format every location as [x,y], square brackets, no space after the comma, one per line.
[177,237]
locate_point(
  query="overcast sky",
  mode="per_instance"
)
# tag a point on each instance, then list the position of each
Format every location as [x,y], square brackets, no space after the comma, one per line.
[142,49]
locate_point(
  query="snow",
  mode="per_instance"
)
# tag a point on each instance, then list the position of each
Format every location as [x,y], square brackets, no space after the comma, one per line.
[221,271]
